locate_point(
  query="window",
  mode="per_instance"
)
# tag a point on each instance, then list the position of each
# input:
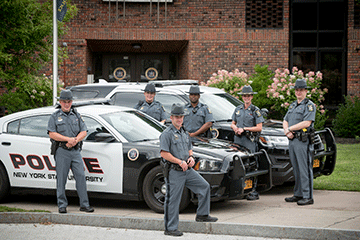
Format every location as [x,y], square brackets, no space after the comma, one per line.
[93,128]
[30,126]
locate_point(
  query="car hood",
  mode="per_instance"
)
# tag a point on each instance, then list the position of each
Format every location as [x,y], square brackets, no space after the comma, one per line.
[211,147]
[270,127]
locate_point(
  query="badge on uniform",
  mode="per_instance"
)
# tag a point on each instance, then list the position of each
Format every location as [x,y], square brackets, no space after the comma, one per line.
[141,108]
[59,119]
[258,113]
[176,136]
[238,112]
[310,107]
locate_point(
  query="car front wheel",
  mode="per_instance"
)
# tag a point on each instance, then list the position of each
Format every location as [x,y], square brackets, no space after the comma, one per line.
[154,190]
[4,183]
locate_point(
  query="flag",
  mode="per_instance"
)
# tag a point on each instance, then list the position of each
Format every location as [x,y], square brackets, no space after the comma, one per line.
[60,9]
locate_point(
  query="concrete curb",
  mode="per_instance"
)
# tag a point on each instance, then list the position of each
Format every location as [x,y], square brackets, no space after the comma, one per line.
[186,226]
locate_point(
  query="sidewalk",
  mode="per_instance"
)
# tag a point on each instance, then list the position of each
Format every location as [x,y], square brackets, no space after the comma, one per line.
[334,215]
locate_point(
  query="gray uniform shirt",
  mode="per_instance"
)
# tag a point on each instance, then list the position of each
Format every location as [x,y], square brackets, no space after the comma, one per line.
[176,142]
[69,125]
[248,117]
[304,111]
[196,117]
[154,109]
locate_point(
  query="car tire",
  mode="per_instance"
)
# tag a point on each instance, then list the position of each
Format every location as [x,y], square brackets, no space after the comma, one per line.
[4,184]
[154,193]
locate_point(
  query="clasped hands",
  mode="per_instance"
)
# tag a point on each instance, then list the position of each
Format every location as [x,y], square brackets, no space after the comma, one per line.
[188,164]
[71,142]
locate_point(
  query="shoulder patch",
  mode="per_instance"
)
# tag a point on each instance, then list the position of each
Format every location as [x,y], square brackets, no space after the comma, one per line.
[163,108]
[310,108]
[208,109]
[258,113]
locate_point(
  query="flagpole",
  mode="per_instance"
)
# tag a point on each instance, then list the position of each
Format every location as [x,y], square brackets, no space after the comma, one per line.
[55,53]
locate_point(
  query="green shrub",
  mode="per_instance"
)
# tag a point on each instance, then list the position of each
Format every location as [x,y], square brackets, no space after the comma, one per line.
[347,120]
[28,95]
[260,81]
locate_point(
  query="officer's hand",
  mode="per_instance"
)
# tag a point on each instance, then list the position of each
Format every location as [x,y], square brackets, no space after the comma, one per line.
[290,135]
[71,142]
[183,165]
[239,131]
[191,161]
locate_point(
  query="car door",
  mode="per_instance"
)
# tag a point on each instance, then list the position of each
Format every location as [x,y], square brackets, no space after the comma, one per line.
[25,152]
[103,160]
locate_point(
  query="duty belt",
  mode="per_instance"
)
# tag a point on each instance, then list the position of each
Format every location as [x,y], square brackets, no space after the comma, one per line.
[252,136]
[175,167]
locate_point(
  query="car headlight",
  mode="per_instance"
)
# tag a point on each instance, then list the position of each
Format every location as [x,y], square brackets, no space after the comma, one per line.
[271,141]
[208,165]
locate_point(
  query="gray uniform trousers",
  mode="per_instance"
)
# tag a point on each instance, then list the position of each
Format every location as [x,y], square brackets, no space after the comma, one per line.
[66,159]
[301,160]
[242,140]
[174,189]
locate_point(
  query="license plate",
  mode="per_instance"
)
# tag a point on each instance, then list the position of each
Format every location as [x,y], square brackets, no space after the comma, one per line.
[248,184]
[316,163]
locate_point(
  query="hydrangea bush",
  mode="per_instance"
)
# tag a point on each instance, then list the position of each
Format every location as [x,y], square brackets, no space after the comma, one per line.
[282,95]
[278,94]
[230,82]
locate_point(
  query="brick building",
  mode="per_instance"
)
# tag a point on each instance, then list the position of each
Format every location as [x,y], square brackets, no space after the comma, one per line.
[136,40]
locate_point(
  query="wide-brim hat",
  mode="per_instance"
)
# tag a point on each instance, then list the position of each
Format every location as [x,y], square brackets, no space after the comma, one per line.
[300,83]
[177,110]
[65,95]
[150,87]
[247,89]
[194,89]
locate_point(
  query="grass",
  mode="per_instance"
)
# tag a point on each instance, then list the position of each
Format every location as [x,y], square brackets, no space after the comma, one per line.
[9,209]
[346,175]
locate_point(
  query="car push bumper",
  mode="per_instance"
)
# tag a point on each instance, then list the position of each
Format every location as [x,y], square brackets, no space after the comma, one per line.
[239,177]
[325,158]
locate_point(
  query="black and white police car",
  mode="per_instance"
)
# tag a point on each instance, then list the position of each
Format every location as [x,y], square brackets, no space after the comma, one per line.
[222,105]
[121,158]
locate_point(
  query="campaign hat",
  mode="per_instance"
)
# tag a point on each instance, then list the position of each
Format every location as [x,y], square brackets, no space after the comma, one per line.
[150,87]
[177,109]
[300,83]
[194,89]
[247,89]
[65,95]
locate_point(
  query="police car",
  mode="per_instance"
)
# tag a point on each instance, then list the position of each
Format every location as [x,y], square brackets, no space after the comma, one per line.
[222,106]
[121,158]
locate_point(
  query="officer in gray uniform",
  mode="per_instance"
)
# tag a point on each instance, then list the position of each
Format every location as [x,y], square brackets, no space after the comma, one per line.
[151,107]
[298,123]
[198,118]
[247,124]
[247,121]
[67,129]
[176,151]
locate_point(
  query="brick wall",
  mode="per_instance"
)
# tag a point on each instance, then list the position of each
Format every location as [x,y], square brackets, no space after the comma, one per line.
[353,53]
[214,29]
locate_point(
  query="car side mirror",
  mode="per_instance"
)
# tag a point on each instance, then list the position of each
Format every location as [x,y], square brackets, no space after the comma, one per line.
[264,112]
[104,137]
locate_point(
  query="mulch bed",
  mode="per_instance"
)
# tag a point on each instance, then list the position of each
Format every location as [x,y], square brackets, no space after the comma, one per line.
[346,140]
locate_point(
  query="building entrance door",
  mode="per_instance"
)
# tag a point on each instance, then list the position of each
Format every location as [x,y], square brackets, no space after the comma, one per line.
[135,67]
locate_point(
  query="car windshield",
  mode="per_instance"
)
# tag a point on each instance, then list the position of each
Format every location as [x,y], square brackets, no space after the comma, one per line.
[221,105]
[134,126]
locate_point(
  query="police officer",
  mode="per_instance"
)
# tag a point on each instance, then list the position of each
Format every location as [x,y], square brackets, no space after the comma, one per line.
[176,148]
[247,124]
[297,122]
[153,108]
[198,118]
[66,127]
